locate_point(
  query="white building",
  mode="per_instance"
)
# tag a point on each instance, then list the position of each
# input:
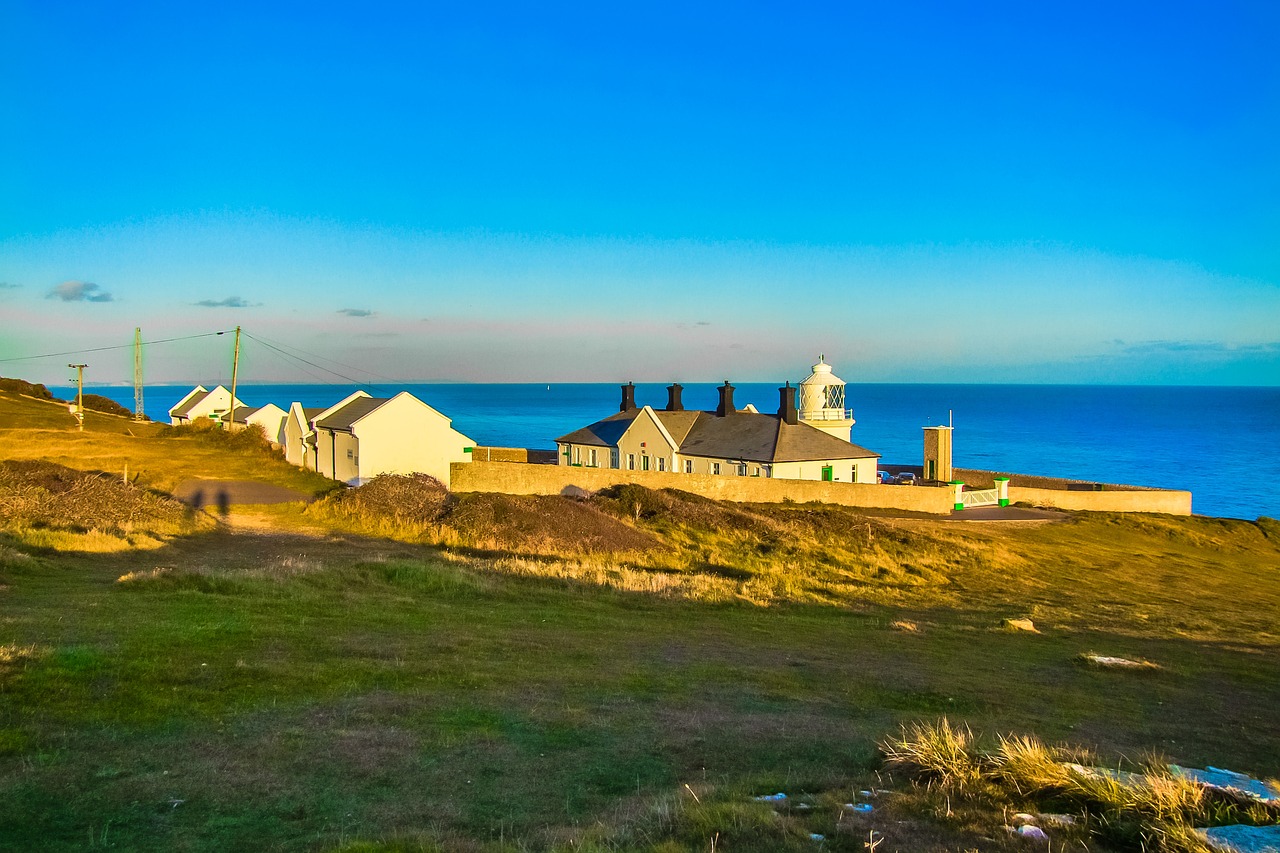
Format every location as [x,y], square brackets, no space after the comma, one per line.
[201,403]
[364,436]
[729,441]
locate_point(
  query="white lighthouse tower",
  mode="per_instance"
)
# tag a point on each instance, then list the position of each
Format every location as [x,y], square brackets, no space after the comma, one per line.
[822,402]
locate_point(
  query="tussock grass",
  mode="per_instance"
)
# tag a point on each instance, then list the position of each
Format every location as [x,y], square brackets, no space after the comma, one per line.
[938,751]
[1152,809]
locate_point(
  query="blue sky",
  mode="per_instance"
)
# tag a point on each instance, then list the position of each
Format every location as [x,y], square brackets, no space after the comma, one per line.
[495,192]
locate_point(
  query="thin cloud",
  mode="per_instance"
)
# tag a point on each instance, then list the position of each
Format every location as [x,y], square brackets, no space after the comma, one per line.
[356,312]
[4,285]
[229,302]
[1199,347]
[79,291]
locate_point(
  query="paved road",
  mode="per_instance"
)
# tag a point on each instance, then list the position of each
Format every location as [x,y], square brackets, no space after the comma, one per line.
[225,493]
[1007,513]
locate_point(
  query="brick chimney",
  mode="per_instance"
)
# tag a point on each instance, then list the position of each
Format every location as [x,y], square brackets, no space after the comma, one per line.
[673,397]
[628,397]
[787,405]
[726,401]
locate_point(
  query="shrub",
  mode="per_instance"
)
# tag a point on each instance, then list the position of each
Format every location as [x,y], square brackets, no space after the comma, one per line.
[98,403]
[29,389]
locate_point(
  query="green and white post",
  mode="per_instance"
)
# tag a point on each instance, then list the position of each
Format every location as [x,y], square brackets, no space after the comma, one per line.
[958,488]
[1002,490]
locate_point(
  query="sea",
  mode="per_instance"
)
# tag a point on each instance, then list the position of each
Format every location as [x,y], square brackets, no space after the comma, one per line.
[1221,443]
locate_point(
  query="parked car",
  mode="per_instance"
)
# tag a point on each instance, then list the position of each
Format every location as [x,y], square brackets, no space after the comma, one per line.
[906,478]
[884,477]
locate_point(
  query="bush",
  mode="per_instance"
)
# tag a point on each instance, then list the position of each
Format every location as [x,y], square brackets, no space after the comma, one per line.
[251,438]
[43,494]
[414,500]
[98,403]
[29,389]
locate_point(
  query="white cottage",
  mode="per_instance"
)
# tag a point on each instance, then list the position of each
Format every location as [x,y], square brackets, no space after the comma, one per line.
[364,436]
[200,403]
[725,442]
[270,417]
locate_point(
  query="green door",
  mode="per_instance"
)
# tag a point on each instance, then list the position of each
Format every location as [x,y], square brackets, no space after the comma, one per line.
[826,473]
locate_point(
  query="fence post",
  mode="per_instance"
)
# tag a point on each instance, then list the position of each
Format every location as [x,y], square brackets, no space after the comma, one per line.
[1002,490]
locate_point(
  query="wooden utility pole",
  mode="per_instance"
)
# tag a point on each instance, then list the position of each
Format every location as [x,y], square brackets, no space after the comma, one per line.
[138,413]
[79,392]
[235,370]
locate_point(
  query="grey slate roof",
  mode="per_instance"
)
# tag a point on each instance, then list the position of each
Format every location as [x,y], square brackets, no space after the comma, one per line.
[243,413]
[749,436]
[181,412]
[351,412]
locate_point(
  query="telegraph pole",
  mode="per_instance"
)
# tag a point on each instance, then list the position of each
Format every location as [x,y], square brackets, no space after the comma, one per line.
[79,392]
[138,412]
[235,369]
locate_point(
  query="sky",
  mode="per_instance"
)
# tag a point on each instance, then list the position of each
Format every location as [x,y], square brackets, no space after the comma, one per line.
[492,192]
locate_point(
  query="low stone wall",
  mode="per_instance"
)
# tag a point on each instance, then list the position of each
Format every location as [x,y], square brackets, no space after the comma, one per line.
[515,479]
[976,478]
[1118,500]
[513,454]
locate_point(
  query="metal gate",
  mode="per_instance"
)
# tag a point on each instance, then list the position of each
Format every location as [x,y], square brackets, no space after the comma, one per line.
[980,497]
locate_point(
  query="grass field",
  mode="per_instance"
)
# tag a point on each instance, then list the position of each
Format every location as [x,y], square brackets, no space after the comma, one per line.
[624,673]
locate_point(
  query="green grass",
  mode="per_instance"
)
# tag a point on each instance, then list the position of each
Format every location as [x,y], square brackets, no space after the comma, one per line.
[489,685]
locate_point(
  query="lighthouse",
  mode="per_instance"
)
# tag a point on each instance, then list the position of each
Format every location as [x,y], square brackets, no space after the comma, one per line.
[822,402]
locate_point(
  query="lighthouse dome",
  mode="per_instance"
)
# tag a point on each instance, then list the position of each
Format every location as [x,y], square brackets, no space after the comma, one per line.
[822,394]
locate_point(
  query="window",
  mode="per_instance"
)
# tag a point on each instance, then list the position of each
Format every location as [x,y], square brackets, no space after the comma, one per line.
[644,462]
[757,473]
[715,467]
[853,474]
[688,466]
[577,455]
[613,458]
[351,454]
[662,463]
[591,457]
[631,462]
[742,469]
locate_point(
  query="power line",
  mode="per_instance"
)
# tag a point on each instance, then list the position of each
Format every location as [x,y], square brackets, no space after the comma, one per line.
[324,358]
[104,349]
[358,383]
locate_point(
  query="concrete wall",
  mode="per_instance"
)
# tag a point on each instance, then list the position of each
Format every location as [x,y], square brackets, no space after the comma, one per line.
[337,455]
[516,479]
[1144,500]
[271,418]
[295,451]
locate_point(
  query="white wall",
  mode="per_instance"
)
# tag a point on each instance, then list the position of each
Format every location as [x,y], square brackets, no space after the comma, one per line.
[404,436]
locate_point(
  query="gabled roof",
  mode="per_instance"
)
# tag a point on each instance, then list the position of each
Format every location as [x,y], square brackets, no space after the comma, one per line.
[184,406]
[343,417]
[243,413]
[750,436]
[605,433]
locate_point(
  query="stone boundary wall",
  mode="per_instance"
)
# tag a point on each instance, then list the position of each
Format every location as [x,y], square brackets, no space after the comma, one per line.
[524,479]
[515,479]
[980,479]
[1117,500]
[513,454]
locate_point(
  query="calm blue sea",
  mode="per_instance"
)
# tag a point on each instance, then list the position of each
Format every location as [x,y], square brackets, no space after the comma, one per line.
[1221,443]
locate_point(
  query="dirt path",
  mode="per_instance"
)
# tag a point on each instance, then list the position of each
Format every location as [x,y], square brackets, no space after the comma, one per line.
[226,493]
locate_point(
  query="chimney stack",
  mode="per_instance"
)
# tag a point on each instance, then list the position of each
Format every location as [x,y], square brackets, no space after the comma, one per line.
[787,405]
[628,397]
[726,401]
[674,403]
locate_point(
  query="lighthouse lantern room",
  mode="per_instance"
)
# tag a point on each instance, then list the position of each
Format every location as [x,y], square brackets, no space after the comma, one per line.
[823,403]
